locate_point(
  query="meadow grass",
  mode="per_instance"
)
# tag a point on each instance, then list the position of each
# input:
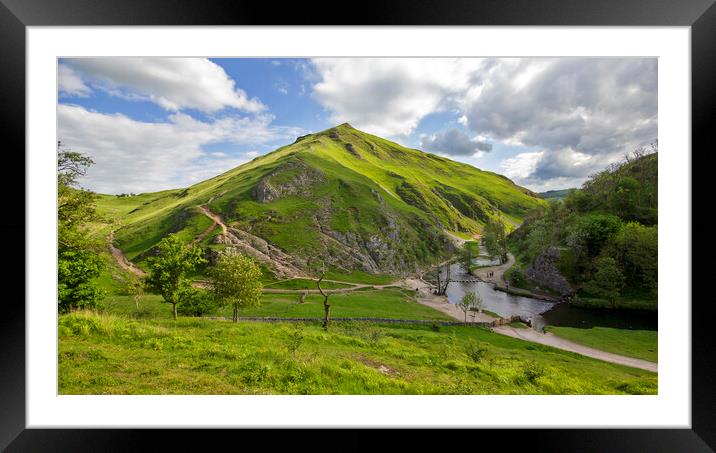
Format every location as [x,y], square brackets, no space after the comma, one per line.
[303,283]
[385,303]
[110,354]
[641,344]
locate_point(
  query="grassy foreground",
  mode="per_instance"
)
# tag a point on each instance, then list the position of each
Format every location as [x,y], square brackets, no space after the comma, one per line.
[641,344]
[109,354]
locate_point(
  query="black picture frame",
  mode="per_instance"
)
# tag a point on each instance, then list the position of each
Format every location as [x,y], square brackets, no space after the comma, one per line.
[16,15]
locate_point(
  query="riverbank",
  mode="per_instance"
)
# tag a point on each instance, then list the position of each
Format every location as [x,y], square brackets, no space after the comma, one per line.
[425,296]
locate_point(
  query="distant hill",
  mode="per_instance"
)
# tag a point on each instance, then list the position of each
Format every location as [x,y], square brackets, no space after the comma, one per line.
[353,200]
[555,194]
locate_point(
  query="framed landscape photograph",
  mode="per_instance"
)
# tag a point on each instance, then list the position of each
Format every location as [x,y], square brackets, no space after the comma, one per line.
[381,226]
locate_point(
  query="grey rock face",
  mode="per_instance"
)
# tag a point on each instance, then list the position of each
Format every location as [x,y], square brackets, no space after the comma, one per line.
[544,271]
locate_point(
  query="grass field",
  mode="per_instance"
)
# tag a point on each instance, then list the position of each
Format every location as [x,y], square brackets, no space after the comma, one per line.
[386,303]
[642,344]
[109,354]
[303,283]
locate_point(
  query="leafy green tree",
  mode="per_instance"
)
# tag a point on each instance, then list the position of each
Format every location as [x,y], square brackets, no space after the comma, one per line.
[236,281]
[78,260]
[467,303]
[168,272]
[636,248]
[495,239]
[592,231]
[608,279]
[466,255]
[624,199]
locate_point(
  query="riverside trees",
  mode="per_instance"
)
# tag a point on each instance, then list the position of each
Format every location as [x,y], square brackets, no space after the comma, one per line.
[606,232]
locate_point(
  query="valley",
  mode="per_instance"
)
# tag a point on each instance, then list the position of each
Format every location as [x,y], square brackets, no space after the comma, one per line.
[377,223]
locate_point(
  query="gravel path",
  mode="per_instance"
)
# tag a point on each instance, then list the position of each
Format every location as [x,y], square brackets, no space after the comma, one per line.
[498,271]
[550,339]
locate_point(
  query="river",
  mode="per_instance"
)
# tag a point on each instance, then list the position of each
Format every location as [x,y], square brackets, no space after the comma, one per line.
[541,312]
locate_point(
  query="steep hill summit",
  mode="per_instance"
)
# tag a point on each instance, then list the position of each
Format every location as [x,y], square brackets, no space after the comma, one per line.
[350,199]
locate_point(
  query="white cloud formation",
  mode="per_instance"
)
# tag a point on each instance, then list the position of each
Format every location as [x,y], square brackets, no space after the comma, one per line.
[133,156]
[69,83]
[590,105]
[580,113]
[172,83]
[522,165]
[455,143]
[389,96]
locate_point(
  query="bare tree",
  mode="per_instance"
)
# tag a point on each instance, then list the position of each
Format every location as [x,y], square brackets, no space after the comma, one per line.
[443,284]
[326,305]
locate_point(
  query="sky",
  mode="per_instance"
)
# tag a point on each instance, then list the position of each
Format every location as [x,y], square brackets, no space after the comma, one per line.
[152,124]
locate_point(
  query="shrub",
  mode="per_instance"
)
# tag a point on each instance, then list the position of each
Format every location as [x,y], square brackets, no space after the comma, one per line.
[532,371]
[295,339]
[197,302]
[476,352]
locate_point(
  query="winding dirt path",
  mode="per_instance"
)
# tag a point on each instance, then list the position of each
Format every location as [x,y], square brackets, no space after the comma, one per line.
[550,339]
[217,221]
[122,260]
[498,271]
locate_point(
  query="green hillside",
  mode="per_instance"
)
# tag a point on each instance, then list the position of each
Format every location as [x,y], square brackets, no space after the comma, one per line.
[351,199]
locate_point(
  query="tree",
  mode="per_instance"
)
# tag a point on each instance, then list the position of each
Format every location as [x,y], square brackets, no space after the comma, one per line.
[134,287]
[636,249]
[592,231]
[495,239]
[466,255]
[236,281]
[443,283]
[78,260]
[168,271]
[467,303]
[326,305]
[608,280]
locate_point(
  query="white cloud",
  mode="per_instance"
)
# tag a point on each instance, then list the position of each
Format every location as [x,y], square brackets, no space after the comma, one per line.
[579,112]
[172,83]
[70,83]
[455,143]
[590,105]
[133,156]
[522,165]
[389,96]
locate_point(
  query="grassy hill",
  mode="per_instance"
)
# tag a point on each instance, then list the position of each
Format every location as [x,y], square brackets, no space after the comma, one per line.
[354,200]
[555,194]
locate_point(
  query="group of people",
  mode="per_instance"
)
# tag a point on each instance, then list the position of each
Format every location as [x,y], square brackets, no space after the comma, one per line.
[491,274]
